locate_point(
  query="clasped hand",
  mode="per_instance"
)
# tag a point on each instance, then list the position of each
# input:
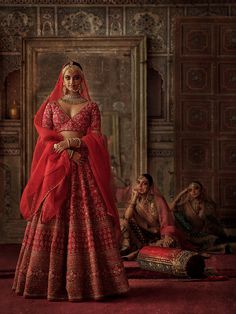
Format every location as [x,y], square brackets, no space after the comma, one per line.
[63,145]
[59,147]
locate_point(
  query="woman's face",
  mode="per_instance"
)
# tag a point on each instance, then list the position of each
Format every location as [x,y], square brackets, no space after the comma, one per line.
[194,190]
[142,185]
[72,80]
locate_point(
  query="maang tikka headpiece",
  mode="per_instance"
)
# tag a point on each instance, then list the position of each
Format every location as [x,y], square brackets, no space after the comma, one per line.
[72,65]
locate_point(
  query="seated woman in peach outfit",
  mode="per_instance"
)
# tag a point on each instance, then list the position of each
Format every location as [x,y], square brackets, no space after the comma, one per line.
[147,220]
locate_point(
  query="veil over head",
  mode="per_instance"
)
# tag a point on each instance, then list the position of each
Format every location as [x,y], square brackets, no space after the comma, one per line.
[165,216]
[57,91]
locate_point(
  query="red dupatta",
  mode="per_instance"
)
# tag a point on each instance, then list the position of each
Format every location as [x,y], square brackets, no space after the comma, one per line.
[47,185]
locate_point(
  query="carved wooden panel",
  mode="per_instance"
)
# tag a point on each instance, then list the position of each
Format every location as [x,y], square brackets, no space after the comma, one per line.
[227,115]
[227,39]
[227,153]
[227,188]
[197,77]
[197,116]
[227,77]
[196,154]
[205,90]
[197,39]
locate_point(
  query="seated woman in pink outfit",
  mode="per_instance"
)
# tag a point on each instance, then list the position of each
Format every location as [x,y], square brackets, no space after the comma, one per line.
[147,219]
[70,248]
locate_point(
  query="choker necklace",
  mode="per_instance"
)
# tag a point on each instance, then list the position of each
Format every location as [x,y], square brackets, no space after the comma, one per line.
[73,99]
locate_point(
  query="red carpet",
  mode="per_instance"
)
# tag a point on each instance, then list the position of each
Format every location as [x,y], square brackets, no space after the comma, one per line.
[154,296]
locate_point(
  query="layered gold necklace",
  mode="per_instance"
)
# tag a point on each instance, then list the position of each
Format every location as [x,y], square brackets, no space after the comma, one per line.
[73,99]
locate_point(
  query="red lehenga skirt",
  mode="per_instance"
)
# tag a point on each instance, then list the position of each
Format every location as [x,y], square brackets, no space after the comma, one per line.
[74,256]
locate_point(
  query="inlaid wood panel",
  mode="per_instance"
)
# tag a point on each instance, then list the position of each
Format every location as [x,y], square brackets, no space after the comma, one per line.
[197,78]
[205,85]
[227,153]
[196,154]
[197,39]
[197,116]
[227,116]
[227,77]
[227,37]
[227,189]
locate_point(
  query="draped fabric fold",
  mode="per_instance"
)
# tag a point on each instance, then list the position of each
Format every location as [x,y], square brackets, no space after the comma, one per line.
[100,163]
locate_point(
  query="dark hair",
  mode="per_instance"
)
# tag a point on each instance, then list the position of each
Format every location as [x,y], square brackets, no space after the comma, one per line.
[199,183]
[148,177]
[74,63]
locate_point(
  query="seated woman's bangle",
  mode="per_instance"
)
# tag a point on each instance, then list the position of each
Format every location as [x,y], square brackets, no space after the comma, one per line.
[131,204]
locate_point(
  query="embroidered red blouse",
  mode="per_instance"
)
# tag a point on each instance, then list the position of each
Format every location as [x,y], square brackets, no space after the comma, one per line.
[55,118]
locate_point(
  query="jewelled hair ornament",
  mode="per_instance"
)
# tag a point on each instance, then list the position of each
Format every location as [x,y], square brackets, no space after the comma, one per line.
[195,185]
[73,66]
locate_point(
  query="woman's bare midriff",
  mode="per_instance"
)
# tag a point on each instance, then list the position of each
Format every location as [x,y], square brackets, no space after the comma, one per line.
[69,134]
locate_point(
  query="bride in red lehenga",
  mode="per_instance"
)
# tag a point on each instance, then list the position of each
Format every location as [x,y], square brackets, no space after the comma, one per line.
[70,248]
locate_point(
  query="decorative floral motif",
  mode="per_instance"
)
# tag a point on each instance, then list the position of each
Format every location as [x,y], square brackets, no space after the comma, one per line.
[47,21]
[82,23]
[150,24]
[17,24]
[10,43]
[115,21]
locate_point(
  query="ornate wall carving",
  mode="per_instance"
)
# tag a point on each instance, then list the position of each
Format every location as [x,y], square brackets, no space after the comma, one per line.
[115,21]
[151,22]
[47,21]
[81,21]
[16,22]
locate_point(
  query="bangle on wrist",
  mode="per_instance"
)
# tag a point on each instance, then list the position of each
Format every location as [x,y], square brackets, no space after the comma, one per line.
[70,153]
[76,142]
[68,142]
